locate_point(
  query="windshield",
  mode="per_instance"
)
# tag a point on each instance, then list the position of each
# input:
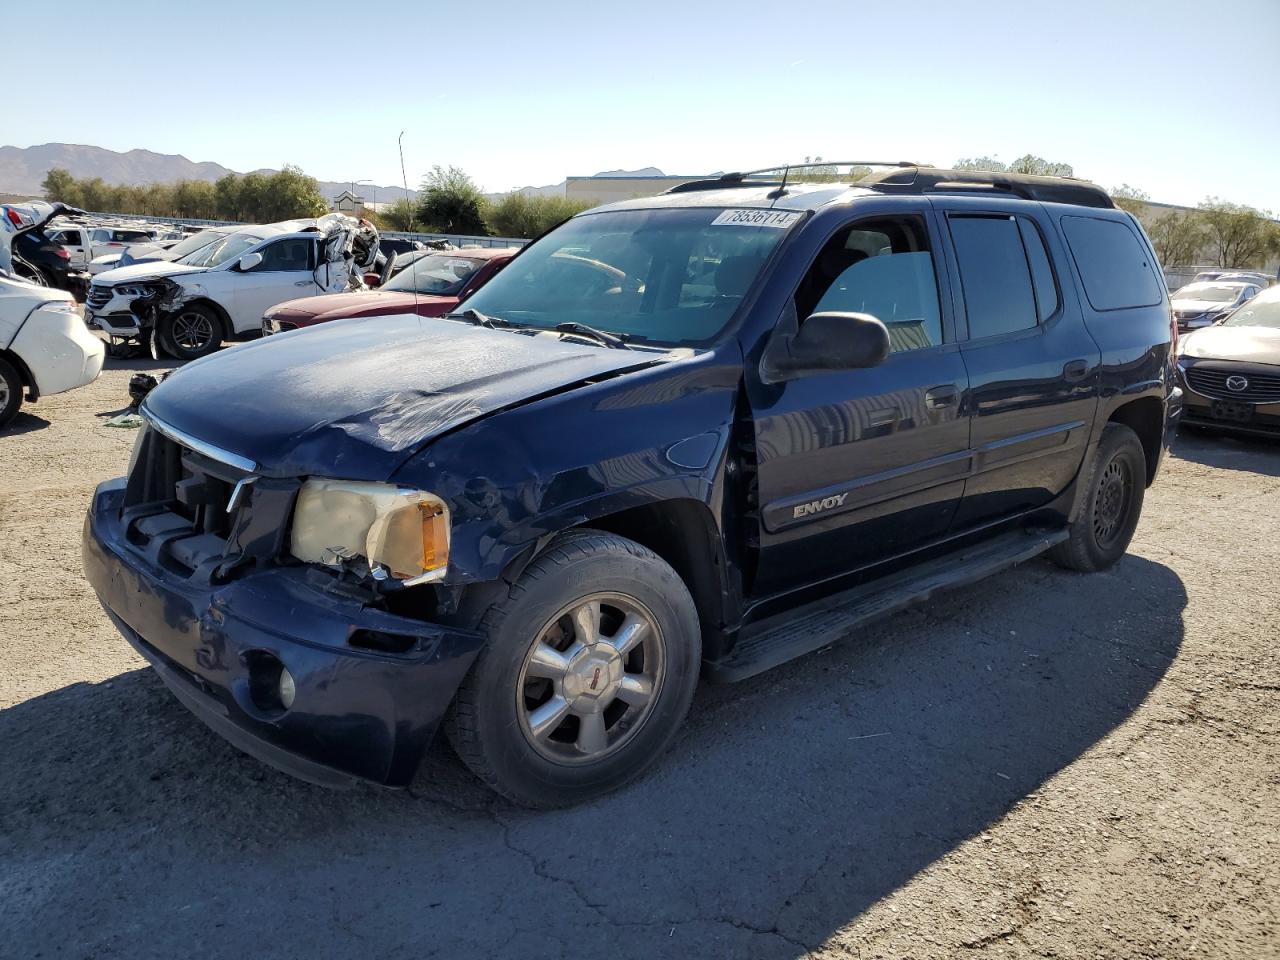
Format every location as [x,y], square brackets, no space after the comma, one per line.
[672,276]
[437,274]
[1216,292]
[194,243]
[220,251]
[1263,311]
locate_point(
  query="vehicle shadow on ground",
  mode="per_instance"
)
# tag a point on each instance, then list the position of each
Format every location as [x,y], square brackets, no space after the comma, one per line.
[1260,455]
[789,805]
[24,423]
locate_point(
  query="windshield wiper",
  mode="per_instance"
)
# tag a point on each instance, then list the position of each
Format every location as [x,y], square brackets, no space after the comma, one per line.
[582,330]
[479,319]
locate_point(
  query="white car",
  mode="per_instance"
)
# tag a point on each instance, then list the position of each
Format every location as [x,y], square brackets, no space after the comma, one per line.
[151,252]
[45,347]
[83,243]
[1204,302]
[189,306]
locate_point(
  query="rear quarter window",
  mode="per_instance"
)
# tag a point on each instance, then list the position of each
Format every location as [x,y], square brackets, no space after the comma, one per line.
[1117,271]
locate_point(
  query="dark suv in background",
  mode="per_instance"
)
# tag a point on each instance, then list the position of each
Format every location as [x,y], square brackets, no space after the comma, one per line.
[697,434]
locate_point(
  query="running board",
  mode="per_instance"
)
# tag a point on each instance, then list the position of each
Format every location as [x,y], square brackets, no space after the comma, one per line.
[790,635]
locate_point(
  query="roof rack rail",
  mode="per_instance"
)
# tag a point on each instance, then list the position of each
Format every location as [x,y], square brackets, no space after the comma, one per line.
[907,177]
[1081,193]
[727,181]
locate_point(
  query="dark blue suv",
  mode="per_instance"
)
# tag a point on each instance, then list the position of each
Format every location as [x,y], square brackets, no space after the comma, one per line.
[693,435]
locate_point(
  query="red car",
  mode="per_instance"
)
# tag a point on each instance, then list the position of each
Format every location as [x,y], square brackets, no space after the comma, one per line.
[433,284]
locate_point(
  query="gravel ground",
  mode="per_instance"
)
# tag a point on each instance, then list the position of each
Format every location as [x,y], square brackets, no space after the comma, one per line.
[1045,764]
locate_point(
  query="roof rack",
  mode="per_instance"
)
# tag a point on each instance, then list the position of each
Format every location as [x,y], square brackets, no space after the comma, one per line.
[913,178]
[1082,193]
[740,178]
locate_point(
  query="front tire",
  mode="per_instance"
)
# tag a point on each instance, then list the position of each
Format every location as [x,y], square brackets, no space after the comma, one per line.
[1115,486]
[10,393]
[590,667]
[191,332]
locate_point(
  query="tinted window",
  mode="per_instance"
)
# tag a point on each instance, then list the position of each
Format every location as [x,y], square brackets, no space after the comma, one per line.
[71,237]
[998,296]
[1114,264]
[668,275]
[1042,282]
[883,268]
[285,255]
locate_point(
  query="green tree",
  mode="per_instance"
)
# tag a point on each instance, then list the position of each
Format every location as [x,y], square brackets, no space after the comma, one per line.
[1238,236]
[1027,163]
[452,203]
[288,195]
[990,164]
[60,186]
[400,215]
[521,215]
[1130,198]
[1176,235]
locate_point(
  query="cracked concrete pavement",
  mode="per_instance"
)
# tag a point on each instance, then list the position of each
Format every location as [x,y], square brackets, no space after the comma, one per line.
[1044,764]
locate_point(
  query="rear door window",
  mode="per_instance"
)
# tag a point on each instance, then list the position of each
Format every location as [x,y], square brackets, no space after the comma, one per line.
[994,274]
[1117,271]
[1042,279]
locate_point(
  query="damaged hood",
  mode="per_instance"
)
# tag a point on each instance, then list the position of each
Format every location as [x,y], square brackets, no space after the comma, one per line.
[358,303]
[146,271]
[354,400]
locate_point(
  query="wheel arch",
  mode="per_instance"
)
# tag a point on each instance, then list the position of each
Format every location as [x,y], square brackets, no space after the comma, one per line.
[24,373]
[683,533]
[1145,417]
[224,318]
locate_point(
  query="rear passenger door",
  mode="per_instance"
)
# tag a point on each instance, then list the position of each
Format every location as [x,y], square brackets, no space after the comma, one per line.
[1031,363]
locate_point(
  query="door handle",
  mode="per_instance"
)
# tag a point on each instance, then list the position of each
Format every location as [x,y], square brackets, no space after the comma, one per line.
[302,283]
[1075,370]
[943,396]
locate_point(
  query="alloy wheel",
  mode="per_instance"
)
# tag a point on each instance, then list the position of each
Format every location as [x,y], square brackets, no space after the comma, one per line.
[590,678]
[192,331]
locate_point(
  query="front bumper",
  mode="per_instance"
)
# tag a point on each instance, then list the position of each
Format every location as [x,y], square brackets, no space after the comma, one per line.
[357,713]
[1225,412]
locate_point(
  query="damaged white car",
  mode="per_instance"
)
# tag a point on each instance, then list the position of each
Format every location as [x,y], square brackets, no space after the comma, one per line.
[44,345]
[189,306]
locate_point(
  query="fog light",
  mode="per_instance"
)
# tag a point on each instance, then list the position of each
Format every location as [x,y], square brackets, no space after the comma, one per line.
[285,689]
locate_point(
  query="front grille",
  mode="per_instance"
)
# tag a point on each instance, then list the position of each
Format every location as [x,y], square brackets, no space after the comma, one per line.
[99,296]
[1212,382]
[176,503]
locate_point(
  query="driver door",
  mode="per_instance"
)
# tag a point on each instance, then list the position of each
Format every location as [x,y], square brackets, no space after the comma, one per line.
[855,466]
[287,271]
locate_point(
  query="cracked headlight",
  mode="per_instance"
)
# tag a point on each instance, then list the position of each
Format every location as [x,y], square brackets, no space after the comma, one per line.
[397,531]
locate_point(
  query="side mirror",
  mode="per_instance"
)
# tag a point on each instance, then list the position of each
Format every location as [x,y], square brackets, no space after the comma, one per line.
[249,261]
[826,341]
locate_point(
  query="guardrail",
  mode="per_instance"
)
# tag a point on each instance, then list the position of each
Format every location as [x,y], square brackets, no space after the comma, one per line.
[457,239]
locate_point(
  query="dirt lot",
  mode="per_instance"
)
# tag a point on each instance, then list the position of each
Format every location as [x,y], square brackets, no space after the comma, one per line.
[1045,765]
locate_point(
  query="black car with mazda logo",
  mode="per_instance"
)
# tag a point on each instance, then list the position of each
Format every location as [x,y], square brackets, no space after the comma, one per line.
[690,436]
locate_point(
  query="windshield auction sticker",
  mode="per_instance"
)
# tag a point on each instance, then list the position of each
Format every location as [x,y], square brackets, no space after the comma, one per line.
[756,218]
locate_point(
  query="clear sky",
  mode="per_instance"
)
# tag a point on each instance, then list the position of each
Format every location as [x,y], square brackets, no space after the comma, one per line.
[1181,99]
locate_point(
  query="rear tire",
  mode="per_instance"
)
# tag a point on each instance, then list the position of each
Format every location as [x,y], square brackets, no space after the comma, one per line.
[1114,490]
[10,393]
[191,332]
[590,667]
